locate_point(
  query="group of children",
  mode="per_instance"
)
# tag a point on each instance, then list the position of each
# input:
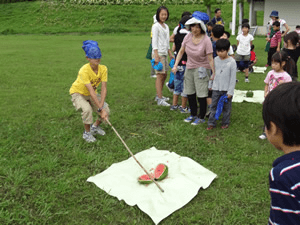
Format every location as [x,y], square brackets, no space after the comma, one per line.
[281,108]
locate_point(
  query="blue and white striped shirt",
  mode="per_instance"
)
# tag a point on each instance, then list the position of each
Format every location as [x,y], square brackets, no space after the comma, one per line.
[285,190]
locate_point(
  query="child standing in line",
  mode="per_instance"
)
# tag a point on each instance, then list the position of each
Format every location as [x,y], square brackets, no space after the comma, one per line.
[224,83]
[161,49]
[84,91]
[291,47]
[149,53]
[275,41]
[277,76]
[226,35]
[242,56]
[209,27]
[179,76]
[281,117]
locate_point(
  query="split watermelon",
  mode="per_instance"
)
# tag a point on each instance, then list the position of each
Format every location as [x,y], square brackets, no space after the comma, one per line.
[160,173]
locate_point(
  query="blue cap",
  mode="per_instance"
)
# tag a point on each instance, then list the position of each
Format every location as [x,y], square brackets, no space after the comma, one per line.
[201,16]
[158,66]
[274,13]
[92,49]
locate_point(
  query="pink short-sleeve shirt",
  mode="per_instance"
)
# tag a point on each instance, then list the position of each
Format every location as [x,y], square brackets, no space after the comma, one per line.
[197,54]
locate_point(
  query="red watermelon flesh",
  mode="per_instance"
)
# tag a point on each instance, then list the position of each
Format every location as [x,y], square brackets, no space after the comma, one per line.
[145,179]
[161,171]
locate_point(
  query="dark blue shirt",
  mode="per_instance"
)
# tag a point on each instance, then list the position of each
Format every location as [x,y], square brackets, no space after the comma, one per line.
[284,189]
[214,49]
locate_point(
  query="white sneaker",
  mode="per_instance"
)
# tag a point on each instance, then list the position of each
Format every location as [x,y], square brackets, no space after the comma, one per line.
[163,97]
[170,89]
[153,76]
[162,102]
[88,137]
[247,80]
[97,130]
[263,136]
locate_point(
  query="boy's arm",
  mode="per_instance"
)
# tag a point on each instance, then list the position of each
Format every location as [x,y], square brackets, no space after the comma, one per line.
[279,42]
[232,80]
[237,43]
[170,54]
[100,104]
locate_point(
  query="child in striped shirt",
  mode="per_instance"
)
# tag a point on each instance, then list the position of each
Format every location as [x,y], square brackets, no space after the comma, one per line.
[281,110]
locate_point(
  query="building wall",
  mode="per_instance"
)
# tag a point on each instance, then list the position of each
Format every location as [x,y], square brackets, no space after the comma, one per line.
[288,10]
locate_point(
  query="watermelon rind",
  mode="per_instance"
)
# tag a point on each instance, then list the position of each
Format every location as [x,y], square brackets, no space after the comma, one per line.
[164,174]
[143,181]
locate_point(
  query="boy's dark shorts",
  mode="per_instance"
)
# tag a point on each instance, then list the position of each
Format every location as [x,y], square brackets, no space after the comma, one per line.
[242,61]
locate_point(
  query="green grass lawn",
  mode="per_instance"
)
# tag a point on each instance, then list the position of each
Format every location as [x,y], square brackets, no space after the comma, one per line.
[44,162]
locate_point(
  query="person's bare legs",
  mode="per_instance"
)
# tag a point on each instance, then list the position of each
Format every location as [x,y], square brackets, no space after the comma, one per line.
[175,100]
[184,101]
[246,73]
[159,83]
[87,127]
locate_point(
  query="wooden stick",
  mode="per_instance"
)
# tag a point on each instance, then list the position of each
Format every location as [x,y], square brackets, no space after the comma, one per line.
[134,157]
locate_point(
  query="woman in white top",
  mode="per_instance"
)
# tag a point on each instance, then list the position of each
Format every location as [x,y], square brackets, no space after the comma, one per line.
[161,50]
[275,17]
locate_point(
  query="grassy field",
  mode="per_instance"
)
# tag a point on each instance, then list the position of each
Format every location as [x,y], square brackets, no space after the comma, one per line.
[51,17]
[44,162]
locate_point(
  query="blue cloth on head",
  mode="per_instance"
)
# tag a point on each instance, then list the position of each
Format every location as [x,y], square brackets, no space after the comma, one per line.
[220,106]
[172,63]
[92,49]
[158,66]
[201,16]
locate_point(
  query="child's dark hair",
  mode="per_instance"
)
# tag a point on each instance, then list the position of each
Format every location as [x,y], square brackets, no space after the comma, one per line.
[298,26]
[282,56]
[222,44]
[186,13]
[252,47]
[234,47]
[282,107]
[227,34]
[276,24]
[217,9]
[246,25]
[158,11]
[293,37]
[245,21]
[218,31]
[210,24]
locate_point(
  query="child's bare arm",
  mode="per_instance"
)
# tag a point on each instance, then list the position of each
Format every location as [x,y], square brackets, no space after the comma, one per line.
[266,90]
[100,104]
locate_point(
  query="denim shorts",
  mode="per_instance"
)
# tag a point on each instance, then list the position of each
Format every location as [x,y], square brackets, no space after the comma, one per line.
[178,81]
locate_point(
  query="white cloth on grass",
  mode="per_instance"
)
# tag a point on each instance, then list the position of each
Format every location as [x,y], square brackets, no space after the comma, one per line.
[182,184]
[240,96]
[257,69]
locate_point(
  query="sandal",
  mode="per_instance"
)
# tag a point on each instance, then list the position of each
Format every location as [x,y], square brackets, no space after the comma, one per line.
[225,126]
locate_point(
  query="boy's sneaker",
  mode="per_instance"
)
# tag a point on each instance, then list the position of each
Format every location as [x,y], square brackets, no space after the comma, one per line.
[190,119]
[163,97]
[162,102]
[184,110]
[97,130]
[153,76]
[174,107]
[247,80]
[263,136]
[170,89]
[88,137]
[198,121]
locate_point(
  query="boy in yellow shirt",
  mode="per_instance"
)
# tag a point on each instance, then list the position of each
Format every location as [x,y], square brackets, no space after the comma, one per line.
[84,91]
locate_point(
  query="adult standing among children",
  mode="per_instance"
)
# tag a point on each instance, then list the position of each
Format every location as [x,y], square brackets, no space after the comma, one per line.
[217,18]
[197,45]
[161,49]
[275,17]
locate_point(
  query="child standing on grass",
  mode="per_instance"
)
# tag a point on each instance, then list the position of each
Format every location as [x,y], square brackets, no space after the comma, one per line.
[224,83]
[291,47]
[277,76]
[179,76]
[275,41]
[281,111]
[242,56]
[84,91]
[161,49]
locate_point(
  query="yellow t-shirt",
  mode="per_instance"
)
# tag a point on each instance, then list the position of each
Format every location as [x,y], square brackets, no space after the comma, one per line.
[85,76]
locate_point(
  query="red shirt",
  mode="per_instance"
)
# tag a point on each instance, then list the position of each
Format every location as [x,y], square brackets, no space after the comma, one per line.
[252,56]
[275,39]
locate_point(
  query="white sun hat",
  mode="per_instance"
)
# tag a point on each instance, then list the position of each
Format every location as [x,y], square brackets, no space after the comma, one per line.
[193,20]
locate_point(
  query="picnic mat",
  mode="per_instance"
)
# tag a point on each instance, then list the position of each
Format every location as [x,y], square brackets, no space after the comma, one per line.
[257,69]
[240,96]
[182,184]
